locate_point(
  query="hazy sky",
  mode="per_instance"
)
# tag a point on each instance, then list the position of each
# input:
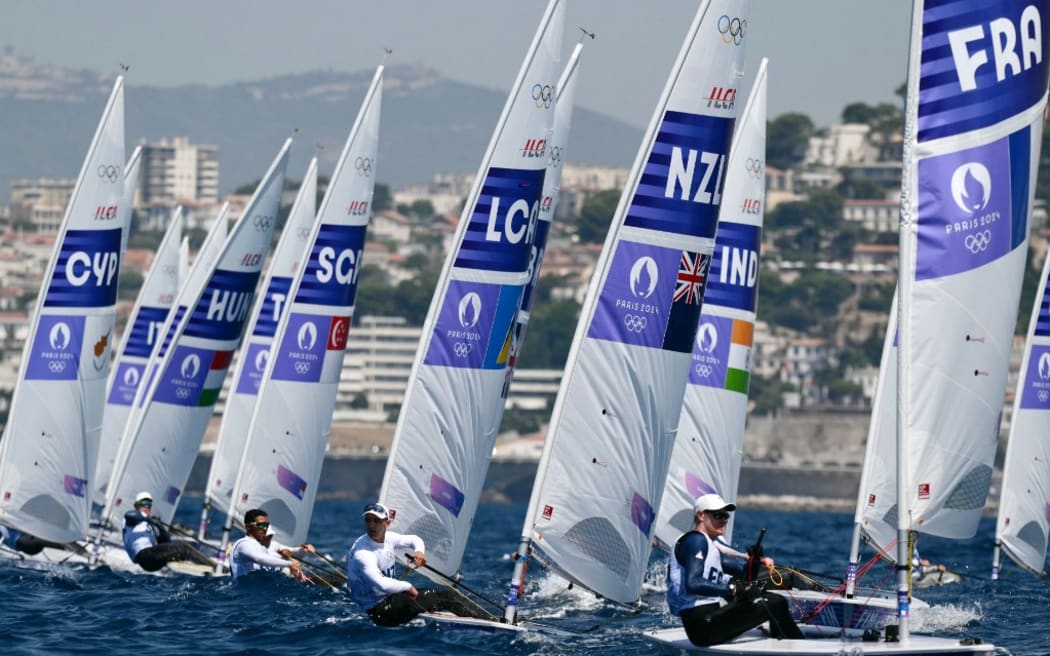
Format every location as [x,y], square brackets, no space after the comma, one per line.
[823,54]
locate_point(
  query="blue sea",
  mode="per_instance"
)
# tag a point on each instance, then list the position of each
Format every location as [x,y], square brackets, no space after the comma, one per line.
[70,610]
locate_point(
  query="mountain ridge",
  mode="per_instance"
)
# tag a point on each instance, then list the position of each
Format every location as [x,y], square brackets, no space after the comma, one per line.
[430,124]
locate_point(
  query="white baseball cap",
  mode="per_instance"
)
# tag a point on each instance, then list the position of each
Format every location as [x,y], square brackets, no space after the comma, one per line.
[710,502]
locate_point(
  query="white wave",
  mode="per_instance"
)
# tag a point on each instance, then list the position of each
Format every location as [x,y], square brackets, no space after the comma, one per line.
[944,617]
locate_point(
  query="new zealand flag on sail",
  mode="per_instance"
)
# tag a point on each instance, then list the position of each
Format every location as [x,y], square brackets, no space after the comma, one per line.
[652,297]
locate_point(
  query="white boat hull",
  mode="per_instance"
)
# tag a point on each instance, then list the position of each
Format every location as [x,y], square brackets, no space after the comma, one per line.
[862,612]
[759,642]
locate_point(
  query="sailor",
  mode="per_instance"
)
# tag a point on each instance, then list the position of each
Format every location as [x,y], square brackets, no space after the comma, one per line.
[24,542]
[712,605]
[149,544]
[251,553]
[370,573]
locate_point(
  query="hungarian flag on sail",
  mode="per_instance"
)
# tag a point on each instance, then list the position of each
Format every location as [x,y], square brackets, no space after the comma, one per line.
[686,303]
[220,362]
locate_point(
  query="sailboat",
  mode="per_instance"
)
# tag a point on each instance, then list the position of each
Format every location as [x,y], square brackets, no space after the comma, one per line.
[972,134]
[457,387]
[255,350]
[607,452]
[280,465]
[710,442]
[49,445]
[185,376]
[141,337]
[1024,504]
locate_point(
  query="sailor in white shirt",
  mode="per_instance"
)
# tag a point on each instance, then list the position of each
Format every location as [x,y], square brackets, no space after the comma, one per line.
[250,553]
[370,573]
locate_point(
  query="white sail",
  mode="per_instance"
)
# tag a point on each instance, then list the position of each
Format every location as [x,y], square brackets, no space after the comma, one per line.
[876,511]
[607,452]
[186,374]
[282,457]
[710,442]
[967,192]
[141,336]
[46,455]
[455,397]
[1024,504]
[255,351]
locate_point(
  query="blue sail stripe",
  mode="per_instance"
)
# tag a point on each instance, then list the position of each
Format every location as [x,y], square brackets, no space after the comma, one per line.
[138,343]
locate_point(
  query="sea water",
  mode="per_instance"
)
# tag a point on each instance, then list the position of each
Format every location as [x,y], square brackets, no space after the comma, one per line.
[70,610]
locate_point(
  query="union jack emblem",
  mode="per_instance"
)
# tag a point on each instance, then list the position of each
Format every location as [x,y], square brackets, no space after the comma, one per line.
[692,272]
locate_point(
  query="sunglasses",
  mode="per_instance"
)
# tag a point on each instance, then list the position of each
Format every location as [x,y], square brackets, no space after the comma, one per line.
[261,525]
[148,504]
[720,515]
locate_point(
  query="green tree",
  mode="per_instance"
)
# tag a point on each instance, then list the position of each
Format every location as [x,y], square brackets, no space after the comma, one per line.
[858,112]
[129,283]
[381,197]
[787,138]
[549,336]
[422,209]
[596,215]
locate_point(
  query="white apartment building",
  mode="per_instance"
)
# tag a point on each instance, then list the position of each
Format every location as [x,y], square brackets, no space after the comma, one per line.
[803,358]
[40,203]
[176,170]
[874,215]
[844,144]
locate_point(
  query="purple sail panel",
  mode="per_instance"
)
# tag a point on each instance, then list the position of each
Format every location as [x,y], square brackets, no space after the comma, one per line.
[171,495]
[75,486]
[446,495]
[255,359]
[499,235]
[464,325]
[964,210]
[289,480]
[1036,392]
[183,379]
[711,351]
[734,270]
[634,302]
[696,486]
[86,271]
[56,348]
[125,383]
[300,355]
[982,62]
[680,187]
[642,513]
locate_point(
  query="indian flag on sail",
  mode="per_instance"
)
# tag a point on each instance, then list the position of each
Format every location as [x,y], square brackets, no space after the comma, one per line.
[722,353]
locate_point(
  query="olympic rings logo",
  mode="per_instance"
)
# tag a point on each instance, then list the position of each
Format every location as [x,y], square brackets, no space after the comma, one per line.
[363,166]
[1044,395]
[731,29]
[753,166]
[182,393]
[555,156]
[56,366]
[462,349]
[543,95]
[302,368]
[302,233]
[262,223]
[634,323]
[169,270]
[703,370]
[978,242]
[108,173]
